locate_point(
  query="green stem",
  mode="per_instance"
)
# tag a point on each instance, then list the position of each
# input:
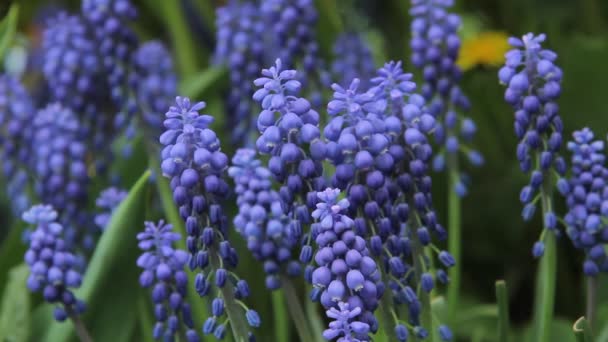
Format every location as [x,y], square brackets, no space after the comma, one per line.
[545,284]
[582,330]
[425,298]
[502,297]
[592,285]
[81,329]
[386,305]
[238,324]
[295,311]
[183,45]
[454,236]
[281,322]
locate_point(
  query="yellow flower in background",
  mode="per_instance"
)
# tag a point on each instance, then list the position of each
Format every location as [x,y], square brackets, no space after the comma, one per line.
[486,48]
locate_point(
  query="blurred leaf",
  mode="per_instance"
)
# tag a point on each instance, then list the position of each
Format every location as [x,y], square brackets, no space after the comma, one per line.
[11,252]
[502,298]
[8,28]
[146,321]
[199,85]
[15,311]
[111,278]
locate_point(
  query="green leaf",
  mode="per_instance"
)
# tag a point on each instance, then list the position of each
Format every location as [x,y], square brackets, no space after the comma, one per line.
[15,311]
[8,28]
[199,85]
[112,276]
[502,298]
[281,320]
[11,252]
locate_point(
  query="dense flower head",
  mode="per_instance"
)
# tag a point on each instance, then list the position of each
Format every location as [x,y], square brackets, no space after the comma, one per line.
[352,59]
[195,165]
[587,199]
[163,272]
[16,116]
[156,83]
[108,200]
[53,266]
[241,47]
[435,47]
[60,163]
[377,139]
[533,86]
[290,135]
[346,277]
[116,43]
[74,72]
[261,219]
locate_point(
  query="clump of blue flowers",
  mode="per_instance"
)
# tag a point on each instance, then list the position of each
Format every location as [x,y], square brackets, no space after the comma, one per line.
[195,165]
[53,267]
[16,115]
[352,59]
[108,200]
[346,277]
[533,86]
[587,200]
[163,271]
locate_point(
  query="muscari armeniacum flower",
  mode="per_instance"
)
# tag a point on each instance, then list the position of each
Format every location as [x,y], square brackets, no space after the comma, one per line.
[290,135]
[16,116]
[241,46]
[587,199]
[352,59]
[53,265]
[260,219]
[377,140]
[533,87]
[60,164]
[435,47]
[108,200]
[346,277]
[194,163]
[156,84]
[163,272]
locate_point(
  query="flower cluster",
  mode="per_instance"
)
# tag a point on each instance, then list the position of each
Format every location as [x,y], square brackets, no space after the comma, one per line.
[108,200]
[163,271]
[61,166]
[435,46]
[346,278]
[16,115]
[533,86]
[352,59]
[290,134]
[193,161]
[156,83]
[587,200]
[377,141]
[52,264]
[242,47]
[260,219]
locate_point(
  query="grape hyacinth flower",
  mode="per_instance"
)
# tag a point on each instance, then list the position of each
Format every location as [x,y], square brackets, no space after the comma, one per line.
[73,71]
[587,200]
[241,46]
[435,47]
[156,84]
[293,36]
[16,116]
[377,139]
[260,219]
[346,277]
[60,164]
[290,135]
[163,272]
[533,86]
[108,200]
[52,263]
[194,163]
[352,59]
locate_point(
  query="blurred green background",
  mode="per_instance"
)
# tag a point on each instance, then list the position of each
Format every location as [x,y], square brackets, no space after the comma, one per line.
[496,242]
